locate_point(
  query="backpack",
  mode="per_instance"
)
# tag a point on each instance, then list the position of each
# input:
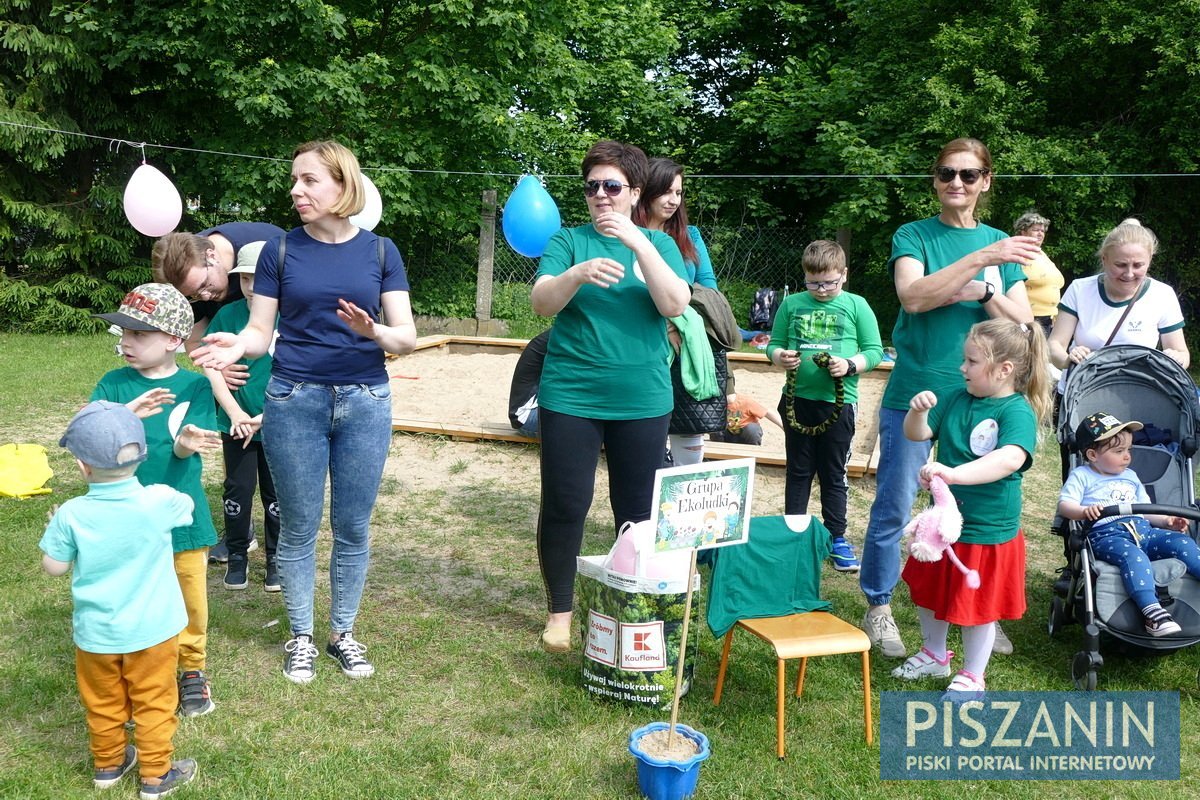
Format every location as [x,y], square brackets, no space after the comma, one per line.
[762,309]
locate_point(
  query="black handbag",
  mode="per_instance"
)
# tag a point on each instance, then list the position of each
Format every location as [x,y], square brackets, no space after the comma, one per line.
[691,416]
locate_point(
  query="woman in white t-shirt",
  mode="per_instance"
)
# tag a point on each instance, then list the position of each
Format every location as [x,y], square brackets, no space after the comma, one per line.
[1121,304]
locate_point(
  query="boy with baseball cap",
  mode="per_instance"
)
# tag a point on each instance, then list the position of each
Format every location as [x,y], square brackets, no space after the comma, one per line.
[240,419]
[179,414]
[1128,541]
[128,610]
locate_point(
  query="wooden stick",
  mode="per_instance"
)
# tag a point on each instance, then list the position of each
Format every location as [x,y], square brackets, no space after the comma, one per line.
[683,638]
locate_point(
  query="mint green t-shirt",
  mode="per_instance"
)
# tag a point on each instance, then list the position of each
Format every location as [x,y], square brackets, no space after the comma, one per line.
[929,345]
[609,357]
[232,318]
[968,427]
[193,405]
[844,326]
[124,590]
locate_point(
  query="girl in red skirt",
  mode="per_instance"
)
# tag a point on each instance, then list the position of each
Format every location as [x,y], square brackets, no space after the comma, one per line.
[986,432]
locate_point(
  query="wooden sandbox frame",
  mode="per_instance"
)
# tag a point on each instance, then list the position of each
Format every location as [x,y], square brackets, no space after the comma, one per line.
[864,452]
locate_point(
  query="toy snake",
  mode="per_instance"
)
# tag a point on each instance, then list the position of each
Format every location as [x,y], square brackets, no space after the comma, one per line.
[822,360]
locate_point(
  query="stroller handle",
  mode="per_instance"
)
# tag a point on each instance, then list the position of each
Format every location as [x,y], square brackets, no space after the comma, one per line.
[1126,509]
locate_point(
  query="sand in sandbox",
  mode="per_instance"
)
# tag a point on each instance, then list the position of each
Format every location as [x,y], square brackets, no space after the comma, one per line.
[464,384]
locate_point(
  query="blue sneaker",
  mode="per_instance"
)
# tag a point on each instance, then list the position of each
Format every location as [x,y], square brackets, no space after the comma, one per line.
[181,772]
[843,557]
[109,776]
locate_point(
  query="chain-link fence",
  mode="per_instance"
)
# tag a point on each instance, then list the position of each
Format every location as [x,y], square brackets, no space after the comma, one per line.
[457,278]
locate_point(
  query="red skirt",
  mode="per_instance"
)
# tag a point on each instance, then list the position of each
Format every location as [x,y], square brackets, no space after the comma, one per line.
[940,587]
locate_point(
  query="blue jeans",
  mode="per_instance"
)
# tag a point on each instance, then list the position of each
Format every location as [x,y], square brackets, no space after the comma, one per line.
[1113,542]
[311,430]
[895,490]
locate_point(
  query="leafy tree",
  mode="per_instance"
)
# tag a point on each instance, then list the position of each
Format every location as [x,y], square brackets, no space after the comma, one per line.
[454,86]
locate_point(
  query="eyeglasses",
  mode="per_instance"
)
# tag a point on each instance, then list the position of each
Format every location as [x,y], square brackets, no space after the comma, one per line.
[821,286]
[612,187]
[969,176]
[206,290]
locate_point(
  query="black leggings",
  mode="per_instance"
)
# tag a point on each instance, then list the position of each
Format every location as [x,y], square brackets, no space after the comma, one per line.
[824,456]
[243,469]
[570,453]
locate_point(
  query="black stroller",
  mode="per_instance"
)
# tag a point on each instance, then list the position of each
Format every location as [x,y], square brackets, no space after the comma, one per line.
[1132,383]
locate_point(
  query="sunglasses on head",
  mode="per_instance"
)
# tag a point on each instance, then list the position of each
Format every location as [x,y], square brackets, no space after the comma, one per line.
[612,187]
[969,176]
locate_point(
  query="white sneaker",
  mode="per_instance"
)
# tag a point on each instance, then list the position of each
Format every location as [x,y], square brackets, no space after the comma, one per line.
[883,632]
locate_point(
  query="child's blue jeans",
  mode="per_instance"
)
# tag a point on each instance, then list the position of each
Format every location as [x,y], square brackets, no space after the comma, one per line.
[1131,544]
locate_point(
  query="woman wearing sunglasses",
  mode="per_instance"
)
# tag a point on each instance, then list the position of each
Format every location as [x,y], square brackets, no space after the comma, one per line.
[662,208]
[610,285]
[950,271]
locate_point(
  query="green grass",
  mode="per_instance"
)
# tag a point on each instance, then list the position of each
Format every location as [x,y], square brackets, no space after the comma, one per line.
[465,705]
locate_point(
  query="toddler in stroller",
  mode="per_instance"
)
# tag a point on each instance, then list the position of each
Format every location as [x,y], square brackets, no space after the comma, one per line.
[1127,541]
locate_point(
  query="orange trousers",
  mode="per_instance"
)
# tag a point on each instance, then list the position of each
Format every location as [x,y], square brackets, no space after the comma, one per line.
[191,567]
[117,687]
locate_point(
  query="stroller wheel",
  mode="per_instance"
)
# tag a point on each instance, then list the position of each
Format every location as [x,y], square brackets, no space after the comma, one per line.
[1083,671]
[1058,616]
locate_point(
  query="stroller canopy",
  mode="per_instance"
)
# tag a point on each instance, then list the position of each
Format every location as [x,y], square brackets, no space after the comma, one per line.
[1132,382]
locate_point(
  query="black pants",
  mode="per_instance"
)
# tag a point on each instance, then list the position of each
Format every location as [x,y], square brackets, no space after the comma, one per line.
[824,456]
[243,469]
[570,453]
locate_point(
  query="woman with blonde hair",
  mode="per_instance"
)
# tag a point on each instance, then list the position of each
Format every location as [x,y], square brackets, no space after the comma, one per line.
[1121,304]
[328,410]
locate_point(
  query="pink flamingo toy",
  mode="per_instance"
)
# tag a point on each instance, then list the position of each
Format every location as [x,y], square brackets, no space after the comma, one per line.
[937,528]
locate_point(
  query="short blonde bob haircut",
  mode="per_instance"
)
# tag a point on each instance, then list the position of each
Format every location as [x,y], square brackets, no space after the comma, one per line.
[343,167]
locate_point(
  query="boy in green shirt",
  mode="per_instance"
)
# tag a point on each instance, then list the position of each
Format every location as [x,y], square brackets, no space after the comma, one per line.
[239,416]
[817,432]
[178,411]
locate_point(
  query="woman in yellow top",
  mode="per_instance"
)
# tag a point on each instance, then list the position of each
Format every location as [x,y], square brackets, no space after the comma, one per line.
[1043,281]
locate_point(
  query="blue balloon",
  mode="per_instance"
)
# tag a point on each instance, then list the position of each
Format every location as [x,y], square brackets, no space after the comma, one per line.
[530,218]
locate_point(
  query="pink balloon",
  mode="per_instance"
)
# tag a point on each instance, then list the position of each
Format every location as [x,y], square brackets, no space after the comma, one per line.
[152,203]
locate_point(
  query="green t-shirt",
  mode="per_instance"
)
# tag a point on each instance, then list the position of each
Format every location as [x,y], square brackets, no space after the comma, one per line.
[968,427]
[775,573]
[232,318]
[609,357]
[844,326]
[193,405]
[929,344]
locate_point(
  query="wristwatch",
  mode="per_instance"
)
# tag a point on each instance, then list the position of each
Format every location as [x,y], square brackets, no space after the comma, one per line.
[851,367]
[988,291]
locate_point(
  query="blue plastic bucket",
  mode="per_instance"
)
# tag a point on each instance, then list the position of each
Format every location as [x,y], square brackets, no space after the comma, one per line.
[668,780]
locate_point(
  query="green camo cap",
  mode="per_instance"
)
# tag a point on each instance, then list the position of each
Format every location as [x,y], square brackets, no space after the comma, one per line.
[154,307]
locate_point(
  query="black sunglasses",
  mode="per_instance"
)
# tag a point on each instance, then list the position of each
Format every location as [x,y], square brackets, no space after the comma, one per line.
[612,187]
[969,176]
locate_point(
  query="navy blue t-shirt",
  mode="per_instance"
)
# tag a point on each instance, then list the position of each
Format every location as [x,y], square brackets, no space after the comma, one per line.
[239,235]
[314,344]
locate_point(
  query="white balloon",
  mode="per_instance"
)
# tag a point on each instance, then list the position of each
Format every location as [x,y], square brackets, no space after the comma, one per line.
[372,212]
[152,203]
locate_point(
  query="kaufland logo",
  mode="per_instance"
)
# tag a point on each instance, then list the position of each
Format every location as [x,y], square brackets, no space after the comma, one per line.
[642,646]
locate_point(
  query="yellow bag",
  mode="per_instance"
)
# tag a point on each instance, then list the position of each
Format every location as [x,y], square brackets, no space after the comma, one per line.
[24,469]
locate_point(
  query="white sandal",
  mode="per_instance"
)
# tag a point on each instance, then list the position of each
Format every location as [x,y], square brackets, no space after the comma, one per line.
[966,687]
[923,664]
